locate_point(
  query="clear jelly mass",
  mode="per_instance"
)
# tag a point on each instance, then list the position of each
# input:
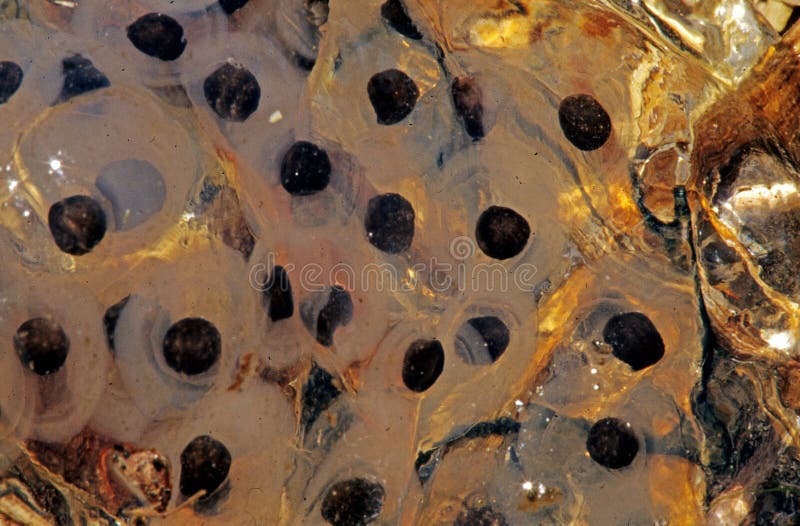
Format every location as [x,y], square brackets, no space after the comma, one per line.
[460,262]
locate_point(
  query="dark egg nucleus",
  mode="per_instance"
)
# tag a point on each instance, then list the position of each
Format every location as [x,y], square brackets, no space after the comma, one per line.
[501,232]
[229,6]
[77,224]
[192,346]
[389,223]
[42,345]
[393,95]
[80,76]
[352,502]
[634,339]
[277,295]
[205,463]
[232,91]
[482,340]
[305,169]
[10,79]
[467,98]
[157,35]
[338,310]
[612,443]
[423,364]
[326,311]
[584,121]
[396,15]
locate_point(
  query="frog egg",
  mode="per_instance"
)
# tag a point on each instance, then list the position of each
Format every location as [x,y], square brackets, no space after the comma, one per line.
[441,404]
[262,132]
[239,419]
[30,48]
[398,98]
[319,198]
[357,454]
[117,160]
[174,344]
[615,339]
[51,398]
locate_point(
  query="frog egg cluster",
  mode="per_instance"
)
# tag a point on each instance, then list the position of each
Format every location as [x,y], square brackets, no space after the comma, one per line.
[322,262]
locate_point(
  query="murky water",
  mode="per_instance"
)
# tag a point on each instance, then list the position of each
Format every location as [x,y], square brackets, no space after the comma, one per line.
[465,262]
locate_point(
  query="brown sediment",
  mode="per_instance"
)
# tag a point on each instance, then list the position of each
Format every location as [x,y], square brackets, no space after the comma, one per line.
[597,24]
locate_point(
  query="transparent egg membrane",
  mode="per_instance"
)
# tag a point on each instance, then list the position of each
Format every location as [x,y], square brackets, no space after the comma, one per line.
[508,279]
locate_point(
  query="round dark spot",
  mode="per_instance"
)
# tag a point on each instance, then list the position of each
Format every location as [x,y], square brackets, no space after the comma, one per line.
[353,502]
[390,223]
[77,224]
[192,345]
[422,364]
[467,98]
[277,295]
[232,92]
[635,339]
[305,169]
[394,12]
[611,443]
[157,35]
[10,79]
[80,76]
[584,121]
[229,6]
[41,345]
[501,232]
[335,312]
[393,95]
[205,463]
[158,464]
[481,340]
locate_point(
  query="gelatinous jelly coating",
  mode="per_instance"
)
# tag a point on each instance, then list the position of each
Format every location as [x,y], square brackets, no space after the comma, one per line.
[136,190]
[395,262]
